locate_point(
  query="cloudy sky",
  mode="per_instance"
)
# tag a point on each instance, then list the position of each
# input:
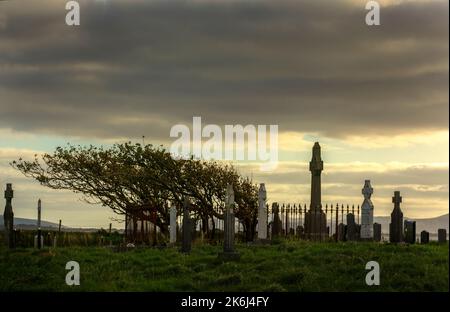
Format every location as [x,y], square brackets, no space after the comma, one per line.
[375,97]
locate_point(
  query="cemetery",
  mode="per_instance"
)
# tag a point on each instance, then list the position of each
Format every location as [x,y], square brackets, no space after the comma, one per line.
[199,226]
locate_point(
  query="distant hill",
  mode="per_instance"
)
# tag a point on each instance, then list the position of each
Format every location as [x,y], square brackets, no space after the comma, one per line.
[29,223]
[430,224]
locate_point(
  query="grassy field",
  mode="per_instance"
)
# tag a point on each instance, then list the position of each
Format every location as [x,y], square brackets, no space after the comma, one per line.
[286,266]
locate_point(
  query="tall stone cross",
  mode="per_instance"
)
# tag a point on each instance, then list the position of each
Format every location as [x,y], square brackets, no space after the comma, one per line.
[396,225]
[262,212]
[397,199]
[367,212]
[8,217]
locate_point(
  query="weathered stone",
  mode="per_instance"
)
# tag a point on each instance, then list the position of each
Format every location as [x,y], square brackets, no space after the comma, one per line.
[396,225]
[424,237]
[262,212]
[8,217]
[367,212]
[341,232]
[229,253]
[315,218]
[410,232]
[442,235]
[187,228]
[351,227]
[276,223]
[377,232]
[173,224]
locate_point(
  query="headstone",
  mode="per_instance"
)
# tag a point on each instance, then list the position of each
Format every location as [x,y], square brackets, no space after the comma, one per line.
[262,212]
[442,235]
[410,232]
[8,217]
[276,223]
[424,237]
[38,244]
[341,232]
[351,227]
[315,218]
[377,232]
[39,234]
[229,253]
[187,228]
[367,212]
[173,224]
[396,225]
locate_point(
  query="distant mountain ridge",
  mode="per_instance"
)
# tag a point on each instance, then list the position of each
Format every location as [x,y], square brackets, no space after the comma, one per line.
[18,222]
[429,224]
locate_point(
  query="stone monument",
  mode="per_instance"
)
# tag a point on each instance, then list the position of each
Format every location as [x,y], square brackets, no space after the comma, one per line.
[229,253]
[367,212]
[410,232]
[351,227]
[276,223]
[315,218]
[424,237]
[173,224]
[396,225]
[8,217]
[377,232]
[262,213]
[442,235]
[187,228]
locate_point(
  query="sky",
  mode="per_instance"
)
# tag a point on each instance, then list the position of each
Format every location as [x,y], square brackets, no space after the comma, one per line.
[375,97]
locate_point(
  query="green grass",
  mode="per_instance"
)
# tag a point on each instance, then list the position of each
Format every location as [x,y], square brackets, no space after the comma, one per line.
[287,266]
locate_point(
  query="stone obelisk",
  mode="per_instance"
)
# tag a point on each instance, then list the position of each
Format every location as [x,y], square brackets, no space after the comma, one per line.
[262,213]
[8,217]
[315,218]
[367,212]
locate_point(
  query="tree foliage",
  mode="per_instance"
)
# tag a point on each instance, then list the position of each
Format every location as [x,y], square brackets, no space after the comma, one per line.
[126,176]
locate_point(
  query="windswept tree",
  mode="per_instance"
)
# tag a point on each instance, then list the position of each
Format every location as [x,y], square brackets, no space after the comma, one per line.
[130,176]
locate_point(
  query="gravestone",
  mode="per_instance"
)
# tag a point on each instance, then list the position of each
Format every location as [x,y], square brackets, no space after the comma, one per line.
[424,237]
[315,218]
[276,223]
[442,235]
[38,244]
[341,232]
[39,233]
[377,232]
[262,212]
[367,212]
[396,225]
[8,217]
[351,227]
[173,224]
[187,228]
[229,224]
[410,232]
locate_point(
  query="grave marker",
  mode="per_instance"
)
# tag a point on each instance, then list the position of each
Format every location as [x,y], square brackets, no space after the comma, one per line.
[262,212]
[8,217]
[173,224]
[396,225]
[229,223]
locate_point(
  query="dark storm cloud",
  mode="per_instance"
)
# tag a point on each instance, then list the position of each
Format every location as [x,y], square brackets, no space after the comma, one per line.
[138,67]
